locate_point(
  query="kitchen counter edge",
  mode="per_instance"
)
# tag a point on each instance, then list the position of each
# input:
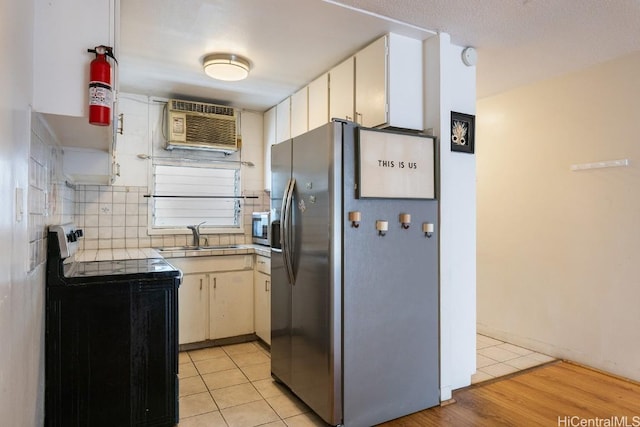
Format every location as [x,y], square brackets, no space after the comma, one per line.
[141,253]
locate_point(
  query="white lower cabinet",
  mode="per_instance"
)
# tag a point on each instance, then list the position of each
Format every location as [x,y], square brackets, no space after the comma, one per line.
[193,308]
[231,304]
[215,299]
[262,304]
[262,298]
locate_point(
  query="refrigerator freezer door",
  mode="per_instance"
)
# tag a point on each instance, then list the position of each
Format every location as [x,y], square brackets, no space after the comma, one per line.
[316,246]
[280,287]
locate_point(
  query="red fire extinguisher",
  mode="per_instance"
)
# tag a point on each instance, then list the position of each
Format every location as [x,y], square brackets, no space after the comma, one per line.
[100,95]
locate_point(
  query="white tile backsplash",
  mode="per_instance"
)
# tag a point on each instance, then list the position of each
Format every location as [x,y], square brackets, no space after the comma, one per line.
[119,209]
[119,216]
[118,232]
[119,197]
[49,199]
[119,220]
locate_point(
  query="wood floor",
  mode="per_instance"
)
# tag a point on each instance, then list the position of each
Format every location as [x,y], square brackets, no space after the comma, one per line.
[559,394]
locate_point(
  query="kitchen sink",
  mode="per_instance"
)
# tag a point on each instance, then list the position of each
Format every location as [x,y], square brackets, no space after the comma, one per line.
[196,248]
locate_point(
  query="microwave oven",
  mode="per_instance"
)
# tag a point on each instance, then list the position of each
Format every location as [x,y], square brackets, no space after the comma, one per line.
[261,228]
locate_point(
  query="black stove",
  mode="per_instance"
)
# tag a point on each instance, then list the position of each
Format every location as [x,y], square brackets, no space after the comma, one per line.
[63,270]
[111,340]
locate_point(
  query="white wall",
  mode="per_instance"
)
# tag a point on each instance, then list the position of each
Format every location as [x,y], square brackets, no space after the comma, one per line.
[116,217]
[558,250]
[450,86]
[21,295]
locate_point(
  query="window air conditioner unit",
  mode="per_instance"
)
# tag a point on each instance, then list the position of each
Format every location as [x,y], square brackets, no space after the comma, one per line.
[200,126]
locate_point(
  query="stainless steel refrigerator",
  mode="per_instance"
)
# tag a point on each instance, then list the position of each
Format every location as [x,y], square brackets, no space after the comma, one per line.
[354,310]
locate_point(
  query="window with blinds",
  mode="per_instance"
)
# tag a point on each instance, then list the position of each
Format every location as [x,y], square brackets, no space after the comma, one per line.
[186,195]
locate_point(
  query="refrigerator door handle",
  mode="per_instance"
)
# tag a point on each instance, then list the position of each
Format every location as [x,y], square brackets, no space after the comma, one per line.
[286,230]
[283,228]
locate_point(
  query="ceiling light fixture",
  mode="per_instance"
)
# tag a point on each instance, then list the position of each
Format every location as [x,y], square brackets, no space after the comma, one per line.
[226,66]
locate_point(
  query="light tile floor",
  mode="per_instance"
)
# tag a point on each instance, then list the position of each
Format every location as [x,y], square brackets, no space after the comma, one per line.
[495,358]
[231,386]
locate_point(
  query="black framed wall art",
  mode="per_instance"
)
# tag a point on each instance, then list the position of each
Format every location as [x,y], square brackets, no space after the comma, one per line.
[463,129]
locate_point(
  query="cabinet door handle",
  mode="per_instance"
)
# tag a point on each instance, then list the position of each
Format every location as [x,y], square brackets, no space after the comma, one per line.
[266,285]
[121,124]
[214,283]
[200,284]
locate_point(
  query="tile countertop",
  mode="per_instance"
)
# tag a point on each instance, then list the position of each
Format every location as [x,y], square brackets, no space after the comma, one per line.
[116,254]
[142,253]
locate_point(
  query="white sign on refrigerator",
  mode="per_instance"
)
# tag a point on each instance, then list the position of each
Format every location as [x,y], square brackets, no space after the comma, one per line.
[394,165]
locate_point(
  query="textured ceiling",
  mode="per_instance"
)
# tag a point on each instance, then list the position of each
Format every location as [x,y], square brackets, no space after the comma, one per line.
[290,42]
[522,41]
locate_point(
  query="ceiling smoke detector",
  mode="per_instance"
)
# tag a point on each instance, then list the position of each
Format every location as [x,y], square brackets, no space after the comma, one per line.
[469,56]
[226,66]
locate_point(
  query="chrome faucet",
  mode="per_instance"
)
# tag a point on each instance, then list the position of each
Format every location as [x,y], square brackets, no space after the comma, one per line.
[195,229]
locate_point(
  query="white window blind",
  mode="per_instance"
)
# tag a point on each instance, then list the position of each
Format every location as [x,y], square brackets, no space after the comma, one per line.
[186,195]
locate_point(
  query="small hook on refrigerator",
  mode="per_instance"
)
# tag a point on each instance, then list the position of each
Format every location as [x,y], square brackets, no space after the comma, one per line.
[405,220]
[382,227]
[427,228]
[354,217]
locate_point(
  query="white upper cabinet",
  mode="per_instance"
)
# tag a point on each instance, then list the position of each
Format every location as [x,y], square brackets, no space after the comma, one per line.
[269,138]
[319,101]
[134,140]
[380,86]
[283,120]
[371,84]
[64,30]
[299,112]
[388,83]
[341,88]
